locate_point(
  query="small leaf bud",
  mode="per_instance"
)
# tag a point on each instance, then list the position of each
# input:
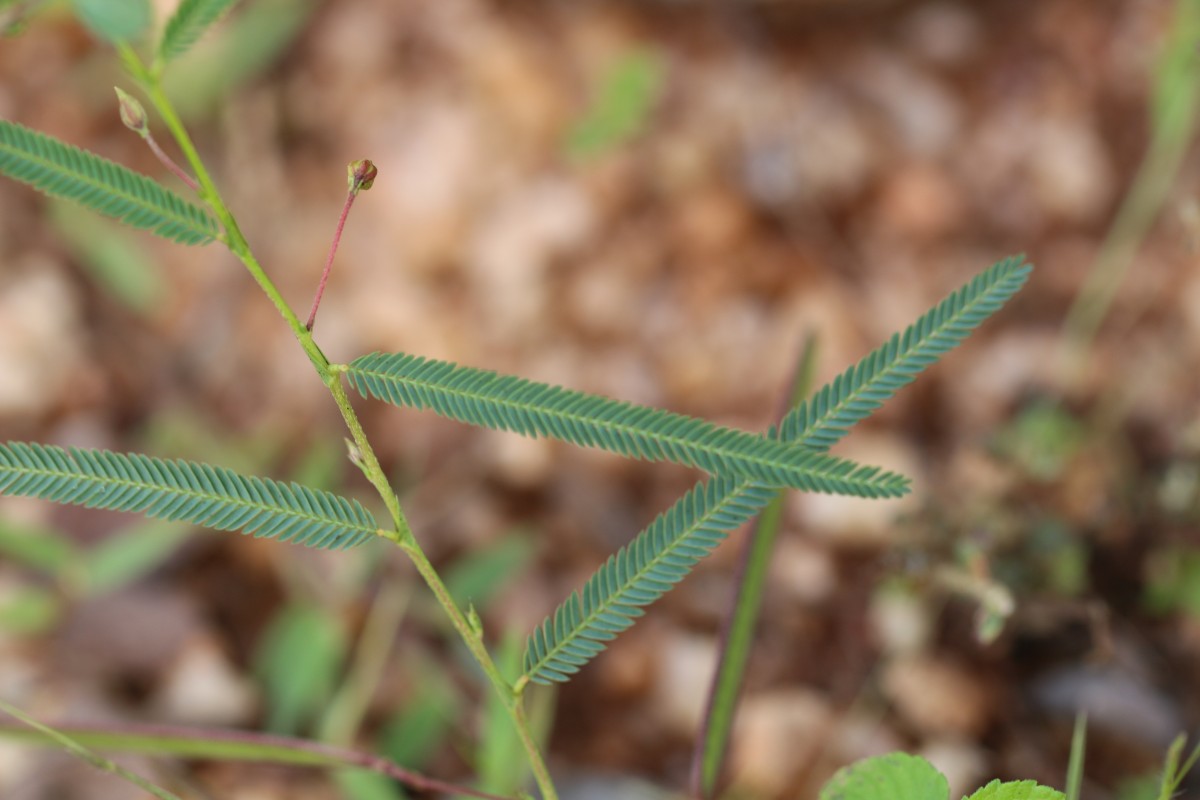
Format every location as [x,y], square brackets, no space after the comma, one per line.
[355,454]
[361,174]
[132,112]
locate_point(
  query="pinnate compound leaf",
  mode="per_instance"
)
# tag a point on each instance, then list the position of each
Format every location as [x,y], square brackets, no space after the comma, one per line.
[637,575]
[62,170]
[1016,790]
[115,20]
[613,598]
[212,497]
[507,403]
[189,22]
[895,776]
[858,392]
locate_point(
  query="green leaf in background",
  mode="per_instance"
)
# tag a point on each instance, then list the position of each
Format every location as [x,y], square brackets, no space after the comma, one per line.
[113,257]
[44,550]
[895,776]
[189,22]
[357,784]
[115,20]
[123,558]
[1016,790]
[1143,788]
[1173,580]
[621,106]
[298,663]
[418,730]
[62,170]
[28,610]
[250,43]
[478,575]
[499,764]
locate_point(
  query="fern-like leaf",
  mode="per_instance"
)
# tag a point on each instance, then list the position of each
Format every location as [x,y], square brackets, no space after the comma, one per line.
[65,171]
[212,497]
[189,22]
[638,574]
[664,553]
[504,402]
[855,394]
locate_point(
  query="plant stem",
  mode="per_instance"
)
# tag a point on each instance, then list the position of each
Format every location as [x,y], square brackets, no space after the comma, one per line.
[361,176]
[474,641]
[216,743]
[330,375]
[169,163]
[337,237]
[79,751]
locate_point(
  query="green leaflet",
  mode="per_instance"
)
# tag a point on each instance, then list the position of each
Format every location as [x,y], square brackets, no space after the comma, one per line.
[855,394]
[1016,790]
[660,556]
[188,24]
[507,403]
[115,20]
[62,170]
[213,497]
[894,776]
[638,574]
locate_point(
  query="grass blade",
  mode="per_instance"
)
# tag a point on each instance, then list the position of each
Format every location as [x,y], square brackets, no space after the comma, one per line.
[712,743]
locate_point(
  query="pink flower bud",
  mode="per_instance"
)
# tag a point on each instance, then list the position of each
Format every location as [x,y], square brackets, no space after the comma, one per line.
[361,174]
[132,113]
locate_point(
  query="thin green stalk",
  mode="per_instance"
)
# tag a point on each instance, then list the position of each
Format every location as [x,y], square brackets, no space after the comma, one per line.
[1173,121]
[348,707]
[331,377]
[712,740]
[1075,763]
[79,751]
[1174,773]
[235,745]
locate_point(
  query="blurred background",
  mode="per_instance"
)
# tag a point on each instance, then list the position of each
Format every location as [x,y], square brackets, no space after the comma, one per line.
[658,201]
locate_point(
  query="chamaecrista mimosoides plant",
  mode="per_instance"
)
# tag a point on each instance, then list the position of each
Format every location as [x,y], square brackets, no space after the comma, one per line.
[745,469]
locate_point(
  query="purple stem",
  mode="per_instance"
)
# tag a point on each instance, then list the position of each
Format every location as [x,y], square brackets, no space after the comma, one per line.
[169,164]
[340,755]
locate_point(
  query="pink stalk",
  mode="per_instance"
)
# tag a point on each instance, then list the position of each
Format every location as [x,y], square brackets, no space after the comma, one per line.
[360,176]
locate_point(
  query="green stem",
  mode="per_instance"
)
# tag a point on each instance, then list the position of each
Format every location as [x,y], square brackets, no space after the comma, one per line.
[330,375]
[474,641]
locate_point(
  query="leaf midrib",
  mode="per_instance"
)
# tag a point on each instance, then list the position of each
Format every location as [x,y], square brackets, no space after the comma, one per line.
[886,481]
[185,492]
[814,429]
[588,620]
[55,166]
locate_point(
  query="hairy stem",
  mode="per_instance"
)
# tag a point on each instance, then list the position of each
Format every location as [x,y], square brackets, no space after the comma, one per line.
[330,375]
[513,702]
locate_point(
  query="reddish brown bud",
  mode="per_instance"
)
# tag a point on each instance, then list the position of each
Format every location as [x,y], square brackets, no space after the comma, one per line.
[361,174]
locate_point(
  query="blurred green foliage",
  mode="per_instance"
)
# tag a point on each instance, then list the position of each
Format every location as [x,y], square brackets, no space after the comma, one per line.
[621,105]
